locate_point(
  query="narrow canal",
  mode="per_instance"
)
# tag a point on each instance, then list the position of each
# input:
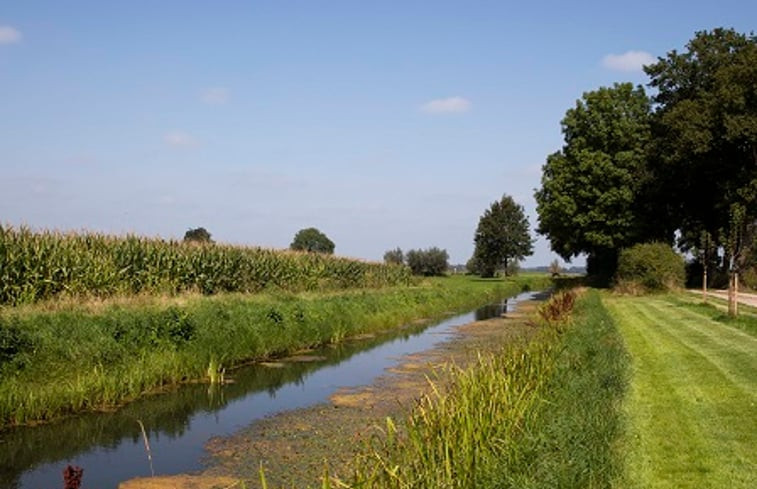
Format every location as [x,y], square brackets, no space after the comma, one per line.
[110,446]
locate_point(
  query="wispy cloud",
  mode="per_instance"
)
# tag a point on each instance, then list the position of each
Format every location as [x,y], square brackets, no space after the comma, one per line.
[9,35]
[447,105]
[215,96]
[179,139]
[628,61]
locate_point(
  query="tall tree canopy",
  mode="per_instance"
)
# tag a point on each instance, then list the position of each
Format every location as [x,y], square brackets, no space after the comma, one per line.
[501,237]
[706,142]
[311,239]
[706,130]
[589,201]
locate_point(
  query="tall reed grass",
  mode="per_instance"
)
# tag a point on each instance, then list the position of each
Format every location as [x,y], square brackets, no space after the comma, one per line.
[40,265]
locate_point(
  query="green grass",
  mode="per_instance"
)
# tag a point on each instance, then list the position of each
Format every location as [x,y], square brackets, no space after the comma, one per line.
[76,357]
[692,408]
[571,440]
[544,414]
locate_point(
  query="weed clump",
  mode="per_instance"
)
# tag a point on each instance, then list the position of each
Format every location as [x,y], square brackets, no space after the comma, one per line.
[558,309]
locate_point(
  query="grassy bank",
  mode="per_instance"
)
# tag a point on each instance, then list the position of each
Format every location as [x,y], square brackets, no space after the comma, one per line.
[37,266]
[79,357]
[541,415]
[691,407]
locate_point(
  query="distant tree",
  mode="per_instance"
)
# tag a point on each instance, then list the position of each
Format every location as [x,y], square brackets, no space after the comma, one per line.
[429,262]
[472,265]
[197,235]
[502,236]
[311,239]
[512,268]
[394,257]
[591,198]
[554,268]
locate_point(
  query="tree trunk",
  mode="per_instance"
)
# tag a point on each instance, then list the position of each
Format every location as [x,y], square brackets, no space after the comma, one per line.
[733,294]
[505,267]
[704,284]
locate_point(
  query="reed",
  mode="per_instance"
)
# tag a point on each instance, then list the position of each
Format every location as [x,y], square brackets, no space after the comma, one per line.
[36,266]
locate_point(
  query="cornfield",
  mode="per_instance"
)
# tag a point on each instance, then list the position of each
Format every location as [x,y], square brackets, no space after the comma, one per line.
[35,266]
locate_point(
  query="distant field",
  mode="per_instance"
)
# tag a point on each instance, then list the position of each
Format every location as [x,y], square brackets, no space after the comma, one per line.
[36,266]
[692,406]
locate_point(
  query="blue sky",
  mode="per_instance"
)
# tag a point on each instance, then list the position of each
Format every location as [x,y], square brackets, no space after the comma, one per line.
[383,124]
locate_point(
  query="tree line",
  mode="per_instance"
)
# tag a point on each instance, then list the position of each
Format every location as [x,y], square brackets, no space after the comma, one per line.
[677,166]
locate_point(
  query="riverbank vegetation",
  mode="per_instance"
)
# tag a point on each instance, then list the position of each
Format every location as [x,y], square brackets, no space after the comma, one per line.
[75,356]
[36,266]
[541,415]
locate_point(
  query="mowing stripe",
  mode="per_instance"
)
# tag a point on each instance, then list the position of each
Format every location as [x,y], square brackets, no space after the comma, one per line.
[703,336]
[723,334]
[692,408]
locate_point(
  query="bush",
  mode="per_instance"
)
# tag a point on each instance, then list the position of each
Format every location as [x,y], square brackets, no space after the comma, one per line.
[650,266]
[394,257]
[429,263]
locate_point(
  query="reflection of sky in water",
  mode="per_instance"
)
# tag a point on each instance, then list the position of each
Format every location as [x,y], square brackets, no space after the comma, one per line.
[180,450]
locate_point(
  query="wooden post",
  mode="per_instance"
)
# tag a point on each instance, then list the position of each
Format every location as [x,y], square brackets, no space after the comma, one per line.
[735,293]
[733,310]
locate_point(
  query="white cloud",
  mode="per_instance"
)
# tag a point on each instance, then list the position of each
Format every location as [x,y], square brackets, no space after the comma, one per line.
[178,139]
[215,96]
[446,105]
[9,35]
[628,61]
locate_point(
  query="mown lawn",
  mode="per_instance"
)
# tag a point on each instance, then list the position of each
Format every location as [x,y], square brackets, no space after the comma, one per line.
[692,405]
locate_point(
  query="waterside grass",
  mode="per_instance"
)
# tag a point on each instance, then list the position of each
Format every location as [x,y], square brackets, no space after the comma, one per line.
[545,414]
[69,359]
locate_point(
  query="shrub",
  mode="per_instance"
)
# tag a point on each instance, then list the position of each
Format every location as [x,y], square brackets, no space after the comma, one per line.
[429,263]
[650,266]
[394,257]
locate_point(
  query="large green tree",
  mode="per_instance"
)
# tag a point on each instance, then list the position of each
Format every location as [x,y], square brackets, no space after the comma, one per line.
[591,196]
[502,236]
[705,129]
[311,239]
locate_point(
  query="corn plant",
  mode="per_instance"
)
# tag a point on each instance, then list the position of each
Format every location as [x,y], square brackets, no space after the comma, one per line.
[37,266]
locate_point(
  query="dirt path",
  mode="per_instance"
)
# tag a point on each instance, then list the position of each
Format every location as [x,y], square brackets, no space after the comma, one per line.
[293,446]
[744,298]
